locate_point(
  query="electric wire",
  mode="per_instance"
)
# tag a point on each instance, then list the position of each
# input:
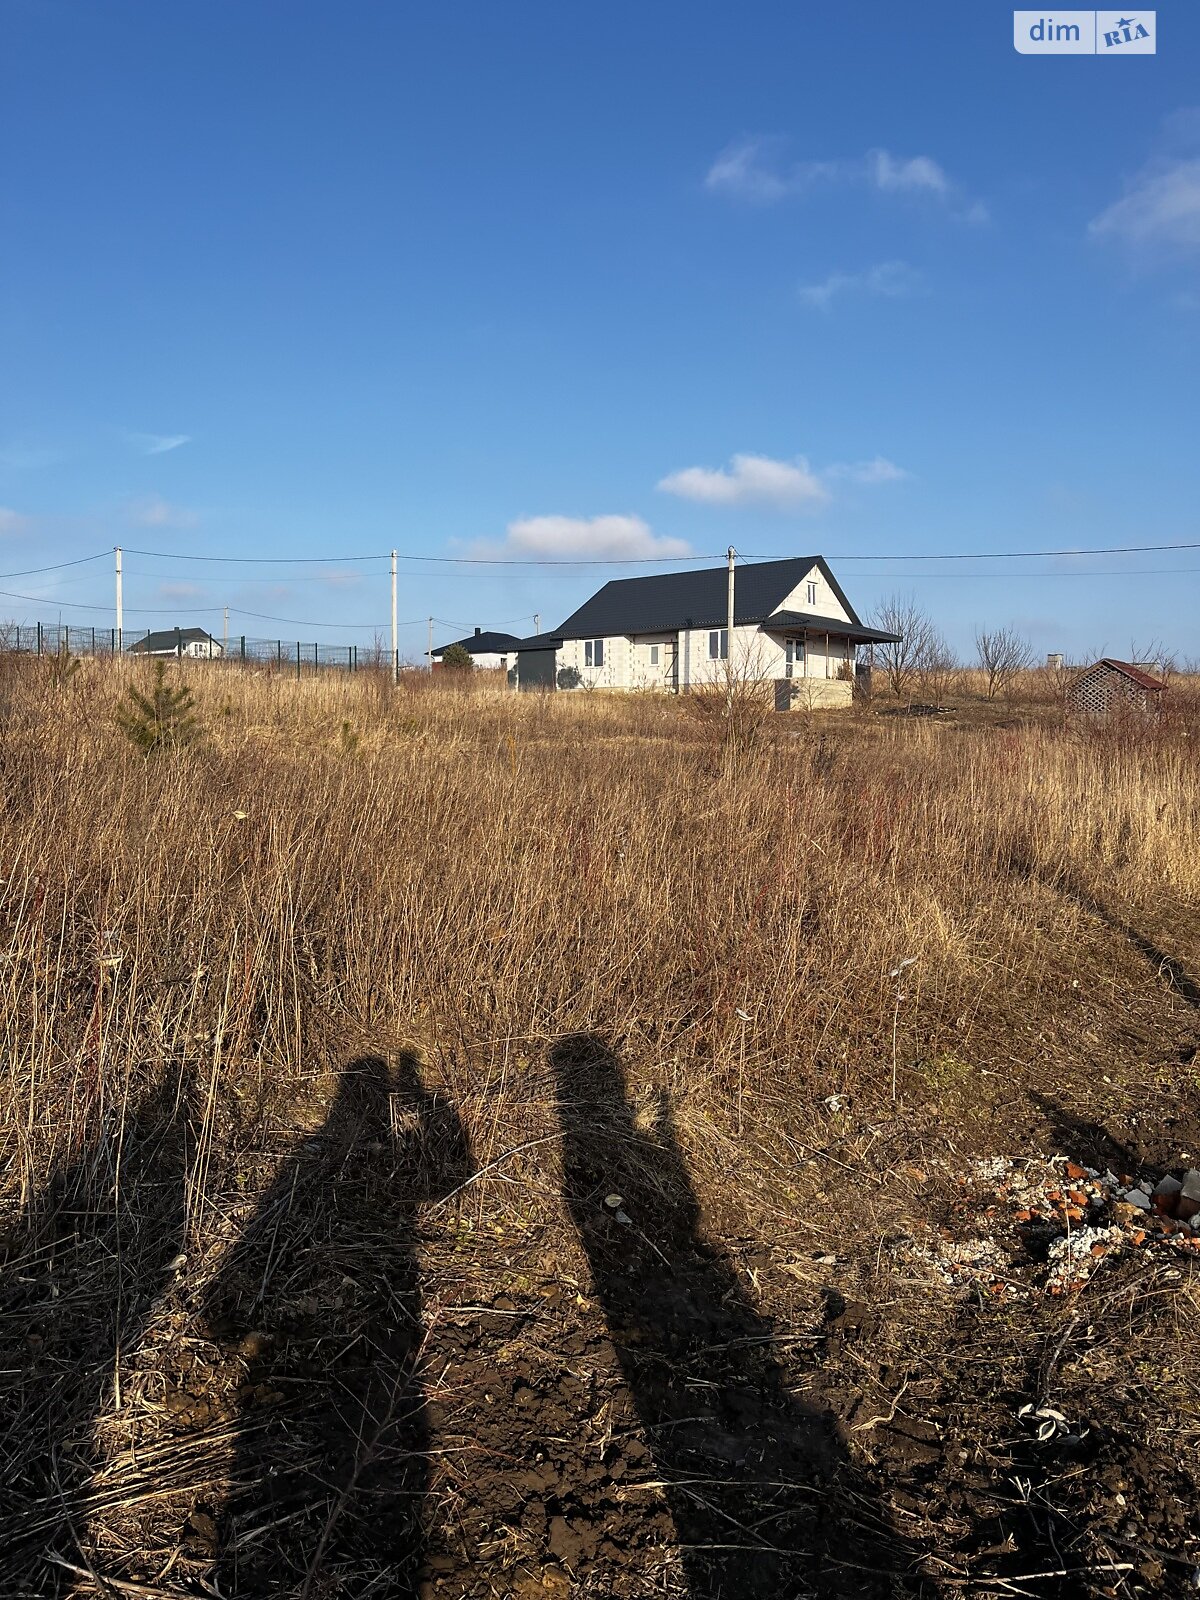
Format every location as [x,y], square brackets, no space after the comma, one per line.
[58,566]
[635,561]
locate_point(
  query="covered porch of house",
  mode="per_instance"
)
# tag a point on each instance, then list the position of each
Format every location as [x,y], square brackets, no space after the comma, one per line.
[820,657]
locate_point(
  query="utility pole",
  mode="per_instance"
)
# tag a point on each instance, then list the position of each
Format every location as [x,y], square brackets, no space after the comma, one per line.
[395,640]
[429,650]
[729,636]
[225,634]
[120,602]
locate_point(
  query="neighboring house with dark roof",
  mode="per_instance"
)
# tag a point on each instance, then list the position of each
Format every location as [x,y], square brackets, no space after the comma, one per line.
[1111,685]
[494,650]
[791,620]
[192,642]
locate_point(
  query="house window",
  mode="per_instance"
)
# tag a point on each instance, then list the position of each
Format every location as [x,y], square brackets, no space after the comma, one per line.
[718,644]
[794,665]
[593,652]
[812,594]
[653,655]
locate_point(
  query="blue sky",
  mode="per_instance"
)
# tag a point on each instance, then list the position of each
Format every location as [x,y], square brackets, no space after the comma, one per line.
[299,280]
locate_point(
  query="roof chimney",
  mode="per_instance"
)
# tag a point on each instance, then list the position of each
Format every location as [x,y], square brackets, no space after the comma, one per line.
[478,631]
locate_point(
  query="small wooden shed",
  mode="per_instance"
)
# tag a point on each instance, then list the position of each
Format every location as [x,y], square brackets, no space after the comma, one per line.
[1110,685]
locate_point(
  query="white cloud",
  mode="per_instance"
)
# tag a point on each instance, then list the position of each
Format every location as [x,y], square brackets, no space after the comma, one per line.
[612,538]
[739,171]
[891,279]
[917,172]
[877,470]
[754,169]
[157,444]
[1160,212]
[749,170]
[750,480]
[155,512]
[11,522]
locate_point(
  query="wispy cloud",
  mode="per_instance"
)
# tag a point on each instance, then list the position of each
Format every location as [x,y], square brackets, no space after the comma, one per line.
[1157,220]
[897,173]
[792,485]
[890,279]
[342,580]
[756,169]
[753,169]
[878,470]
[610,538]
[157,444]
[12,522]
[1159,214]
[750,480]
[154,512]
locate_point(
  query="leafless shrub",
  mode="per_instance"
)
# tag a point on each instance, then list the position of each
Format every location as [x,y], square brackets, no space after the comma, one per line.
[1003,653]
[917,637]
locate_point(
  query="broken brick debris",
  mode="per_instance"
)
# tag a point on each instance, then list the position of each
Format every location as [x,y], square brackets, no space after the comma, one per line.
[1023,1226]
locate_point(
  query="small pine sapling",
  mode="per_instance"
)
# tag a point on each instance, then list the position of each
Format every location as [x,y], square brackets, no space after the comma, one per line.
[161,720]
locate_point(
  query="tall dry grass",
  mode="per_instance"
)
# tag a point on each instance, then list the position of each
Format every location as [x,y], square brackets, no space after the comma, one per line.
[481,873]
[472,875]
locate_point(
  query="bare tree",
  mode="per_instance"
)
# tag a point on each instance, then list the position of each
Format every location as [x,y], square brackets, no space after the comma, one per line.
[1153,656]
[935,667]
[903,616]
[1002,655]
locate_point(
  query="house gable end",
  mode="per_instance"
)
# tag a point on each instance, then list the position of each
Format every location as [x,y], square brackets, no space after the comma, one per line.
[830,601]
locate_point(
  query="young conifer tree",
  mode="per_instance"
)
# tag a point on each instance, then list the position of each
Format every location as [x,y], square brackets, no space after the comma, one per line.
[161,720]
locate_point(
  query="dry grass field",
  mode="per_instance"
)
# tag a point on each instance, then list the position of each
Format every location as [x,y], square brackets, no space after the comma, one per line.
[457,1143]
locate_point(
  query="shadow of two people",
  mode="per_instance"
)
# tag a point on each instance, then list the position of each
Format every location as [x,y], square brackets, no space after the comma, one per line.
[321,1299]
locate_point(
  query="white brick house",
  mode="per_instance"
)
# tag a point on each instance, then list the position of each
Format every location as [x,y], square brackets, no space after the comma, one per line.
[791,621]
[194,643]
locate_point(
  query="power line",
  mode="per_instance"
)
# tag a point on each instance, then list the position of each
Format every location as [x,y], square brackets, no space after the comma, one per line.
[1019,555]
[52,602]
[255,561]
[301,622]
[635,561]
[1080,572]
[59,566]
[290,577]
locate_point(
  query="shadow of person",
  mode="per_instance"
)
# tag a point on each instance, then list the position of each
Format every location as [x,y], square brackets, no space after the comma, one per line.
[1168,968]
[83,1271]
[749,1471]
[320,1302]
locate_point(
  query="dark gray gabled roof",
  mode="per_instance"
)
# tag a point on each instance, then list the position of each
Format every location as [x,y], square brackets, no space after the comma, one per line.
[483,644]
[803,622]
[171,639]
[697,599]
[540,641]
